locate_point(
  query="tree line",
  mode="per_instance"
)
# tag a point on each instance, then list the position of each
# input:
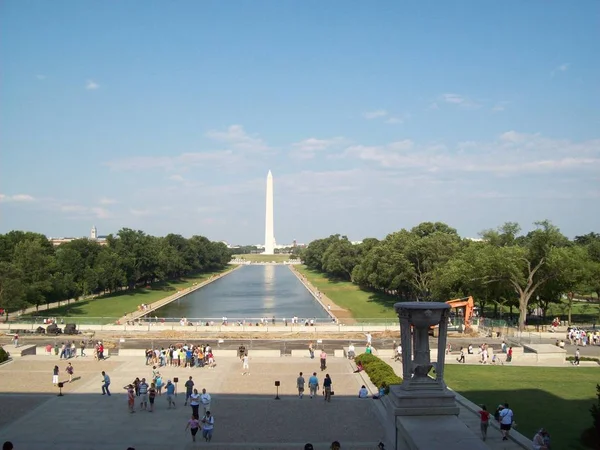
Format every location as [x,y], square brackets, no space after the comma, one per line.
[34,272]
[432,262]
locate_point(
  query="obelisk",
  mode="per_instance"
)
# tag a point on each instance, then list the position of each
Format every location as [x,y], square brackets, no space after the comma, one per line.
[269,228]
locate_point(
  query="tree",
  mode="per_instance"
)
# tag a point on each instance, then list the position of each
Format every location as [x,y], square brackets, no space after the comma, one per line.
[340,258]
[12,289]
[36,262]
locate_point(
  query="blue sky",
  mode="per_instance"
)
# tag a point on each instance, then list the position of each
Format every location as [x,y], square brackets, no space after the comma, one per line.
[373,116]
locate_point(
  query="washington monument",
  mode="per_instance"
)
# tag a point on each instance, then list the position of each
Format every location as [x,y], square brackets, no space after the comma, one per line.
[269,227]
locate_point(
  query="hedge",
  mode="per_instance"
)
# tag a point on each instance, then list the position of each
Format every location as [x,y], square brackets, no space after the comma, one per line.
[583,358]
[3,355]
[378,371]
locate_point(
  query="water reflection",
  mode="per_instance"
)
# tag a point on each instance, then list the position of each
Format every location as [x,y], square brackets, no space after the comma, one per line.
[269,296]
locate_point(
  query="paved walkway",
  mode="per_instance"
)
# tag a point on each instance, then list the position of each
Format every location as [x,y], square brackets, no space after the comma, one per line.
[246,414]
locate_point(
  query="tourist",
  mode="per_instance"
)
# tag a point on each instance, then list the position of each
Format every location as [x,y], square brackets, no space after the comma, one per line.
[470,349]
[335,445]
[381,392]
[55,375]
[313,384]
[208,424]
[189,389]
[539,441]
[241,351]
[576,360]
[369,338]
[359,367]
[82,348]
[245,365]
[484,415]
[323,360]
[73,349]
[152,396]
[311,350]
[70,371]
[9,446]
[159,383]
[306,447]
[170,388]
[506,420]
[16,340]
[205,399]
[351,351]
[193,425]
[149,356]
[398,353]
[369,350]
[300,385]
[105,383]
[327,387]
[143,392]
[509,354]
[461,359]
[130,397]
[363,392]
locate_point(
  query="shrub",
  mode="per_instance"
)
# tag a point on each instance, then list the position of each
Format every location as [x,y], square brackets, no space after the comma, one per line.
[583,358]
[3,355]
[379,372]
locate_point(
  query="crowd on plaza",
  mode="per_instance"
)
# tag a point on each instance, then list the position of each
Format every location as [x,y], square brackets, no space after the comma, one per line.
[182,355]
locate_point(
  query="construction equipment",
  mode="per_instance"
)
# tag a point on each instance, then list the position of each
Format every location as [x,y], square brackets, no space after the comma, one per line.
[468,308]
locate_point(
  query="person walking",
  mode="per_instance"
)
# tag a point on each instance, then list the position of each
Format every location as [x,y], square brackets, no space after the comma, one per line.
[484,415]
[323,358]
[55,375]
[195,402]
[311,350]
[70,371]
[462,356]
[170,388]
[143,390]
[82,348]
[208,425]
[506,420]
[205,399]
[189,390]
[577,357]
[105,384]
[245,365]
[313,384]
[327,387]
[193,425]
[16,340]
[300,385]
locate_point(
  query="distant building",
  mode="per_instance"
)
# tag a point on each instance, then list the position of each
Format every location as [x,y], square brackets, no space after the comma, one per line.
[94,233]
[56,241]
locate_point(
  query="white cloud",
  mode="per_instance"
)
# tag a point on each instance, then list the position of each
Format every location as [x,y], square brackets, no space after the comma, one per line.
[499,106]
[369,115]
[176,177]
[40,77]
[460,101]
[562,68]
[236,136]
[179,162]
[91,85]
[78,211]
[17,198]
[141,212]
[394,120]
[511,153]
[107,201]
[307,148]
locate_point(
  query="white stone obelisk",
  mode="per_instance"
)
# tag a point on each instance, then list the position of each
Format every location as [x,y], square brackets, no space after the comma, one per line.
[269,227]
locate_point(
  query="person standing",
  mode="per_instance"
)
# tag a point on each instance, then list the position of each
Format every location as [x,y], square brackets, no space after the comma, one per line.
[82,348]
[70,371]
[170,388]
[327,387]
[311,350]
[152,396]
[509,354]
[313,384]
[195,402]
[484,415]
[506,419]
[16,339]
[323,360]
[143,390]
[245,365]
[193,425]
[208,424]
[300,385]
[189,389]
[55,375]
[105,383]
[462,356]
[205,399]
[130,398]
[577,357]
[369,338]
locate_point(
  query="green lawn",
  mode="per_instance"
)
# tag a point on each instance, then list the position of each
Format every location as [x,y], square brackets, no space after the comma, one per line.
[556,398]
[263,258]
[116,305]
[362,304]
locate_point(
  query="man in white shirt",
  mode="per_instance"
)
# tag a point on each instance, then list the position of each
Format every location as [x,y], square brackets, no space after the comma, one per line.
[205,400]
[506,421]
[246,365]
[208,424]
[351,351]
[369,338]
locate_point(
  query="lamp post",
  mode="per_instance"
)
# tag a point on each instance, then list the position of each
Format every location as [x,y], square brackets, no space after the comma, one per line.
[277,384]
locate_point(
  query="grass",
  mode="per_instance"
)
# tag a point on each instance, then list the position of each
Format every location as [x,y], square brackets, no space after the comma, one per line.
[113,306]
[556,398]
[263,258]
[360,303]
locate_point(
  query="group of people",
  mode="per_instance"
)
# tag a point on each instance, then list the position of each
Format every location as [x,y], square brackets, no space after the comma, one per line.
[186,355]
[484,354]
[314,386]
[56,371]
[582,337]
